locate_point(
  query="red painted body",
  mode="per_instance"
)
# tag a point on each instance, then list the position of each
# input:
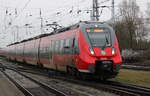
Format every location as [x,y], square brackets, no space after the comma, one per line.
[51,51]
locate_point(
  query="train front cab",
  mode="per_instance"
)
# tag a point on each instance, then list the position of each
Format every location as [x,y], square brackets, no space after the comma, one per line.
[99,51]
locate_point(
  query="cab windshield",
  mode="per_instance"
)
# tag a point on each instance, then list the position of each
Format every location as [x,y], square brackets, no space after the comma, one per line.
[99,37]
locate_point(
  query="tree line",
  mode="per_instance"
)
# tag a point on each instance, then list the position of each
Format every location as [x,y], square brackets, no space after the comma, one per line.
[132,28]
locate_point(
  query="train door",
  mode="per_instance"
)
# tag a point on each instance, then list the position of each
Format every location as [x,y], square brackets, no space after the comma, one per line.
[69,52]
[52,64]
[61,55]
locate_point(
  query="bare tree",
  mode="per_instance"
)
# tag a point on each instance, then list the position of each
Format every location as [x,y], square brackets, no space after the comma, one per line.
[130,27]
[129,14]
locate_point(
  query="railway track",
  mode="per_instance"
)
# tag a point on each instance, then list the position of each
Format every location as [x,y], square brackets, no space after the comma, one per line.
[23,90]
[39,90]
[122,89]
[144,91]
[69,91]
[119,88]
[136,67]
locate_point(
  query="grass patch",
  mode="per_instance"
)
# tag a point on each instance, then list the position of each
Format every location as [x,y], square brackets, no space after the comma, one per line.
[134,77]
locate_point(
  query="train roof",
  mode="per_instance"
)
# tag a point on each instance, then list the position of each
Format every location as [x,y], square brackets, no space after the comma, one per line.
[58,31]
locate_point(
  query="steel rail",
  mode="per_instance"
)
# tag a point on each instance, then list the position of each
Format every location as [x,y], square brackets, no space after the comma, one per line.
[119,88]
[85,83]
[21,88]
[48,88]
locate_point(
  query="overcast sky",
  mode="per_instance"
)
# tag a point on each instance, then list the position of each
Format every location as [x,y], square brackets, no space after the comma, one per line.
[52,10]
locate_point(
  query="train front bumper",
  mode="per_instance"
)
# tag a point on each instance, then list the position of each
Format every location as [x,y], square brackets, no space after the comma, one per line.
[99,68]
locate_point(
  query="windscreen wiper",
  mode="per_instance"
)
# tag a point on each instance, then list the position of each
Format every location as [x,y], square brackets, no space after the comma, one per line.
[106,42]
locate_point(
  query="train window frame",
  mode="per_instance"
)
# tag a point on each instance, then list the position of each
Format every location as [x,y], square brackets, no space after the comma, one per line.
[76,46]
[68,46]
[50,49]
[67,43]
[61,46]
[64,46]
[108,31]
[53,47]
[58,49]
[71,42]
[45,52]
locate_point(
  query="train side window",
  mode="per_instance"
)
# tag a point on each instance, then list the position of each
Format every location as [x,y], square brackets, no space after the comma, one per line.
[58,47]
[71,43]
[76,43]
[51,49]
[75,46]
[47,52]
[66,45]
[61,46]
[44,52]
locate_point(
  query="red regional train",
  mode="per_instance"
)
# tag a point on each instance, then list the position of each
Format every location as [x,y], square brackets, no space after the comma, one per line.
[87,47]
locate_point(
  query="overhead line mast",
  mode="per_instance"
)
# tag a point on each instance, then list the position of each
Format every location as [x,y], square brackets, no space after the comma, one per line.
[113,11]
[95,11]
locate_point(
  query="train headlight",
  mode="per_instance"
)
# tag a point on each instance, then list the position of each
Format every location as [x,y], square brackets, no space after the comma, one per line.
[92,51]
[113,51]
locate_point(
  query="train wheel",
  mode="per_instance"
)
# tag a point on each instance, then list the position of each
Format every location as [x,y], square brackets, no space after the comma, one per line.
[83,76]
[40,65]
[103,78]
[71,71]
[24,62]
